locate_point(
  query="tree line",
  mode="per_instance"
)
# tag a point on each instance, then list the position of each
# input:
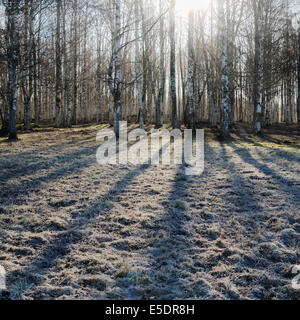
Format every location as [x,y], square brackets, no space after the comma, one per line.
[67,62]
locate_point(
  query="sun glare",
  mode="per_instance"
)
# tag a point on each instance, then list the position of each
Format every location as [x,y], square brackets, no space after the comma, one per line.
[185,5]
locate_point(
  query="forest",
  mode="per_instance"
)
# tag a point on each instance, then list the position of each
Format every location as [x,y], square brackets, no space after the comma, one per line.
[71,228]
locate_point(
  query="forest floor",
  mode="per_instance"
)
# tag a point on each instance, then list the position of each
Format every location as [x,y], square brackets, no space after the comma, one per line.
[72,229]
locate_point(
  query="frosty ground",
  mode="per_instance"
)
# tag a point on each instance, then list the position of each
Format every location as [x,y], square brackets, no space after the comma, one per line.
[72,229]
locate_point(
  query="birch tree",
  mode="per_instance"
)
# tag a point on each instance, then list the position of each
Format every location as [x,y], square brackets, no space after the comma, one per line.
[114,72]
[173,64]
[58,58]
[288,69]
[258,71]
[225,102]
[162,68]
[27,81]
[138,64]
[209,73]
[191,66]
[37,69]
[84,72]
[4,112]
[67,73]
[298,98]
[75,62]
[72,72]
[267,63]
[12,10]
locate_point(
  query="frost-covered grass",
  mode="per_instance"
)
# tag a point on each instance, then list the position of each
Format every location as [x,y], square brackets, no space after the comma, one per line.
[71,229]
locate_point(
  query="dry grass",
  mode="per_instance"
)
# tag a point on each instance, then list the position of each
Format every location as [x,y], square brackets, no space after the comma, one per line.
[71,229]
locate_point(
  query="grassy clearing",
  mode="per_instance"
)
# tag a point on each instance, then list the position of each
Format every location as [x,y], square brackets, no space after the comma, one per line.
[71,229]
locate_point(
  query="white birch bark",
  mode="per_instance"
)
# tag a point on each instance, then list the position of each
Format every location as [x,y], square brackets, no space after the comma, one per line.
[75,63]
[162,69]
[138,64]
[114,72]
[268,108]
[191,64]
[289,81]
[27,82]
[37,70]
[173,64]
[99,82]
[84,86]
[58,80]
[13,58]
[298,98]
[268,63]
[208,68]
[258,10]
[67,75]
[225,102]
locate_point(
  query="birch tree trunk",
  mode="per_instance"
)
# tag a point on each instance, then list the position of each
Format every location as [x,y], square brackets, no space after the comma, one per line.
[27,82]
[209,77]
[258,72]
[298,98]
[225,102]
[117,91]
[162,70]
[268,107]
[84,84]
[37,70]
[138,64]
[35,86]
[75,62]
[191,66]
[230,57]
[58,80]
[267,66]
[114,72]
[13,59]
[173,64]
[288,109]
[67,75]
[99,84]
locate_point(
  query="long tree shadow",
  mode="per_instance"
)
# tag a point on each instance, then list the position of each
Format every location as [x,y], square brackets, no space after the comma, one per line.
[174,239]
[37,159]
[285,154]
[58,145]
[167,242]
[170,244]
[286,185]
[10,169]
[59,245]
[70,163]
[75,162]
[240,194]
